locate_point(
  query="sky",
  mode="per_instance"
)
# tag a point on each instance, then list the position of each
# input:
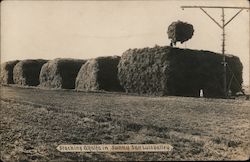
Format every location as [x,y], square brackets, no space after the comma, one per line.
[88,29]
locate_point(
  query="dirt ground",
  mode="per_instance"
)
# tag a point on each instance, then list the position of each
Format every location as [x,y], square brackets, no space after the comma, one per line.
[34,122]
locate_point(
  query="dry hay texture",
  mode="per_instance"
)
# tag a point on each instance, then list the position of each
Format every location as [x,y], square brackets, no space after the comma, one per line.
[26,72]
[174,71]
[180,31]
[99,74]
[60,73]
[7,72]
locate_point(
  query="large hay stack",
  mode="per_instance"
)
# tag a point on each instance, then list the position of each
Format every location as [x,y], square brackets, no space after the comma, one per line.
[7,72]
[99,74]
[26,72]
[174,71]
[60,73]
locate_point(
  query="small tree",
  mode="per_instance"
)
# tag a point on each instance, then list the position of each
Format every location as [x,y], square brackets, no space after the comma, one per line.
[180,32]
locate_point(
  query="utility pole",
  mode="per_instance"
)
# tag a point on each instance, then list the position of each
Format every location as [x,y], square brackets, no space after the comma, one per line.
[222,26]
[224,57]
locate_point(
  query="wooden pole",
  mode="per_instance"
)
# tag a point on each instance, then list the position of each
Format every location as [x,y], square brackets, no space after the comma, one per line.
[225,90]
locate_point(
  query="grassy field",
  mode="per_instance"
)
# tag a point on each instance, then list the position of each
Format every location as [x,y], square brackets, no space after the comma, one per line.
[34,122]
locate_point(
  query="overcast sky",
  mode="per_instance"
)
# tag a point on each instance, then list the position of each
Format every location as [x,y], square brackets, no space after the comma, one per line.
[87,29]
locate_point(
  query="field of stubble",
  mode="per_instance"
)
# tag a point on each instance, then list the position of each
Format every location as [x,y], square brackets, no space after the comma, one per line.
[34,122]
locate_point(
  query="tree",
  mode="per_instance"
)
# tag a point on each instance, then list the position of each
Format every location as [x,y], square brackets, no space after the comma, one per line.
[179,31]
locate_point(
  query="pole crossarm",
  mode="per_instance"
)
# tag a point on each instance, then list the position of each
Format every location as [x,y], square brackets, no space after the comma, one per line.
[222,7]
[211,18]
[215,7]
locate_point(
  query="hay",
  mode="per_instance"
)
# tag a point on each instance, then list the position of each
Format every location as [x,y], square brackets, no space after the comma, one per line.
[7,72]
[60,73]
[99,74]
[173,71]
[180,31]
[26,72]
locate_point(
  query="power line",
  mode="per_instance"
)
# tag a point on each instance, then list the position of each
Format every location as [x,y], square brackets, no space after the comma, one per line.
[222,26]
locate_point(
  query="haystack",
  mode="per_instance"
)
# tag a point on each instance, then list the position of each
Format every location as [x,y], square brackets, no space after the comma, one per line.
[26,72]
[7,72]
[174,71]
[60,73]
[99,74]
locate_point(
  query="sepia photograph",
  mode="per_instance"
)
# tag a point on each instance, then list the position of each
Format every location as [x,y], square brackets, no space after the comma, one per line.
[124,80]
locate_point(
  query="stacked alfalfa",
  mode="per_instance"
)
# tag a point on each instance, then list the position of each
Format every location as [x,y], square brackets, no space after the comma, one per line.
[26,72]
[7,72]
[60,73]
[174,71]
[99,74]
